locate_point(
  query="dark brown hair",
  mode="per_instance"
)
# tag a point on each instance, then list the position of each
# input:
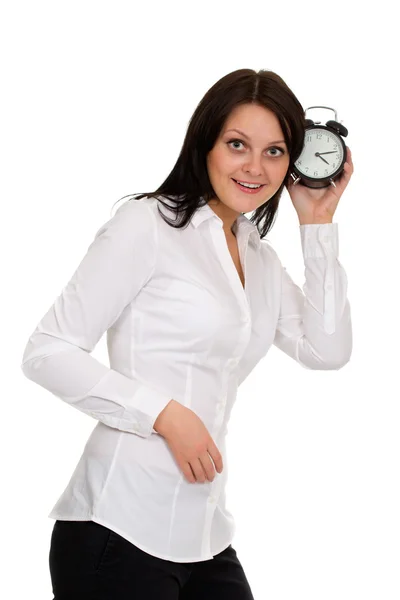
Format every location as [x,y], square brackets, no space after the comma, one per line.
[188,185]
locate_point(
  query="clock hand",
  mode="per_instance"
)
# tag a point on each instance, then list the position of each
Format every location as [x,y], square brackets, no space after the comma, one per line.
[318,154]
[332,152]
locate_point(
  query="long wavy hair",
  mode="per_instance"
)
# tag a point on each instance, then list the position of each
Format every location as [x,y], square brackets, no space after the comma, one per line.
[188,186]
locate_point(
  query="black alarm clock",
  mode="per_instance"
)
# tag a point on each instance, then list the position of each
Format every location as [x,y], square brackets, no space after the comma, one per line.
[324,153]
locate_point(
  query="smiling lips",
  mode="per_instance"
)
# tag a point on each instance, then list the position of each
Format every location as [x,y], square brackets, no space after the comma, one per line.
[248,190]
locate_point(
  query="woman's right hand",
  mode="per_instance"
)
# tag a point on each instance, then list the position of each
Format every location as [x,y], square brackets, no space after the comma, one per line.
[189,441]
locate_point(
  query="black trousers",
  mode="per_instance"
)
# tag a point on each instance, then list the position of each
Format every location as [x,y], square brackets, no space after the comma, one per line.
[91,562]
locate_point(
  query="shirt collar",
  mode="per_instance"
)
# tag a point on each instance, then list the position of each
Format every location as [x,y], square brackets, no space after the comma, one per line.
[242,223]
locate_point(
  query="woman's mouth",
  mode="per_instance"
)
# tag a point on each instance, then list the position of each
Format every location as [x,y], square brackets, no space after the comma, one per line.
[247,190]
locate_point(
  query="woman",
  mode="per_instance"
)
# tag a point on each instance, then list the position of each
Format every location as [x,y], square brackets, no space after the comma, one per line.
[190,305]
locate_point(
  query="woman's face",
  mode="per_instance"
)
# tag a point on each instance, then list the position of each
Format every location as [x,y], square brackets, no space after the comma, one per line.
[260,156]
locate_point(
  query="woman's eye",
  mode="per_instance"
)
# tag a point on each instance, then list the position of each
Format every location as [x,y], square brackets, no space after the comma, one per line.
[281,150]
[235,142]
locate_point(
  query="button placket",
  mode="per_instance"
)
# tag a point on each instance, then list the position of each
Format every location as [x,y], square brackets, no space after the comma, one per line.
[223,254]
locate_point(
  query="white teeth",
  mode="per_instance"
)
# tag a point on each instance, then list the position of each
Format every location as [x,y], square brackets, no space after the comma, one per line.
[250,185]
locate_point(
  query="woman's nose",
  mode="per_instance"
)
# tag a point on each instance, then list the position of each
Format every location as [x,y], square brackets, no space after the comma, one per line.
[253,166]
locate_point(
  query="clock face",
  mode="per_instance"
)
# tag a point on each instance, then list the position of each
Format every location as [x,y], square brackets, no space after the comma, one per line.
[322,154]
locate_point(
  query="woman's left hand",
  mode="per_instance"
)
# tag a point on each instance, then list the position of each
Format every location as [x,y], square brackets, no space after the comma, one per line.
[317,205]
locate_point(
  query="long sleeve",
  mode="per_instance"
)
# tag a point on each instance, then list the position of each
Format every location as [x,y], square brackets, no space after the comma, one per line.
[118,263]
[314,328]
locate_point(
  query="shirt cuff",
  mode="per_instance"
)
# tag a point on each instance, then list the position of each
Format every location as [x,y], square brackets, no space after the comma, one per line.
[319,240]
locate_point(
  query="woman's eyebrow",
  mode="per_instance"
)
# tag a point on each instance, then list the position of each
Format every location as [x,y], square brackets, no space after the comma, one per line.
[247,137]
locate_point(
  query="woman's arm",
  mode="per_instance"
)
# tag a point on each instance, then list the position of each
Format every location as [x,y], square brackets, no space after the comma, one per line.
[118,263]
[314,326]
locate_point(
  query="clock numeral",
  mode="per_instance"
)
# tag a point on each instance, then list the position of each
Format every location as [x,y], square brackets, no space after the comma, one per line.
[307,169]
[315,172]
[335,146]
[299,162]
[334,165]
[319,136]
[309,138]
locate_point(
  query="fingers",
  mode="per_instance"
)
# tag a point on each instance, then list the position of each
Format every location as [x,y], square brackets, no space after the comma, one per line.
[187,471]
[345,177]
[348,165]
[191,444]
[215,455]
[202,468]
[208,466]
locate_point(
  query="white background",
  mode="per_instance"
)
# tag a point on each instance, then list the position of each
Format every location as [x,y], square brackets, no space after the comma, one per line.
[95,102]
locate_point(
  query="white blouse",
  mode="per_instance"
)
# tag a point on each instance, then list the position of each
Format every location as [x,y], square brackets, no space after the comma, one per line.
[179,325]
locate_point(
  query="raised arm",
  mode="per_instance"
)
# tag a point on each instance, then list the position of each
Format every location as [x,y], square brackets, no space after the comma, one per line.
[314,326]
